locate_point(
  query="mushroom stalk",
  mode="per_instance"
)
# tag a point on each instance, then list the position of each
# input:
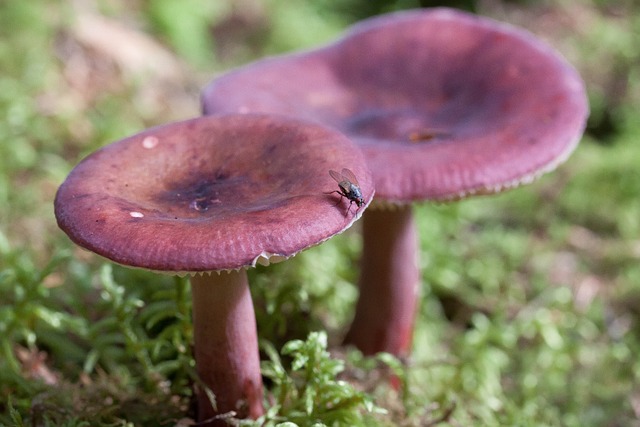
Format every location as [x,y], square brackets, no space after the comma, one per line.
[389,279]
[226,346]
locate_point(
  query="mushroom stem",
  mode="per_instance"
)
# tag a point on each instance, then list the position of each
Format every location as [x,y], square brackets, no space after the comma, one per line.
[389,279]
[226,346]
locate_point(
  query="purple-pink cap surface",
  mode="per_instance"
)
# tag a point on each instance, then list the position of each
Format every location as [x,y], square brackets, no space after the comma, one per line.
[212,193]
[443,103]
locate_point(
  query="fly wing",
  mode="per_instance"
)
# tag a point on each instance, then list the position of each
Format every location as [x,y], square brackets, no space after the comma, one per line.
[335,175]
[347,175]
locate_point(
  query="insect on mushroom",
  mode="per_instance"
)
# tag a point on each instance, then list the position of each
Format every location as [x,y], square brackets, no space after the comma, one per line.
[349,188]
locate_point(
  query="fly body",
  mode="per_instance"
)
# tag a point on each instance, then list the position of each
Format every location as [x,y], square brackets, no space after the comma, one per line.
[349,188]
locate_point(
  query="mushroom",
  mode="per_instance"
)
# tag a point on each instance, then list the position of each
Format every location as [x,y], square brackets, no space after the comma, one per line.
[445,105]
[214,194]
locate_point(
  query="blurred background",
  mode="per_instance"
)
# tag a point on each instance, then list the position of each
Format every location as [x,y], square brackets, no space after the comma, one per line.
[531,299]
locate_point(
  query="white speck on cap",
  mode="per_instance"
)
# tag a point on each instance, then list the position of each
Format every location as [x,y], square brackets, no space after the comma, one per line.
[150,142]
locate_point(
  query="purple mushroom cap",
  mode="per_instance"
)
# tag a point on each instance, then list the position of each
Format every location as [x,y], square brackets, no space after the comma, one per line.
[443,103]
[212,193]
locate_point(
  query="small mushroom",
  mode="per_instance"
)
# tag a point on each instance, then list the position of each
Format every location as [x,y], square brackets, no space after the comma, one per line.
[445,105]
[214,194]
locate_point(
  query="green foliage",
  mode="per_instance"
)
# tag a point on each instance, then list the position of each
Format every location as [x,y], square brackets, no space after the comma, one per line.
[609,61]
[185,25]
[23,310]
[311,394]
[128,351]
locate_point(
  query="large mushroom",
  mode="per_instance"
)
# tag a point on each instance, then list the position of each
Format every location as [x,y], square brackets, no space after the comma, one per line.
[444,105]
[214,194]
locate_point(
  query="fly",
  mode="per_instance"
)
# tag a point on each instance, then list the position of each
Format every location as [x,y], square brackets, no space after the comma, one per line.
[349,188]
